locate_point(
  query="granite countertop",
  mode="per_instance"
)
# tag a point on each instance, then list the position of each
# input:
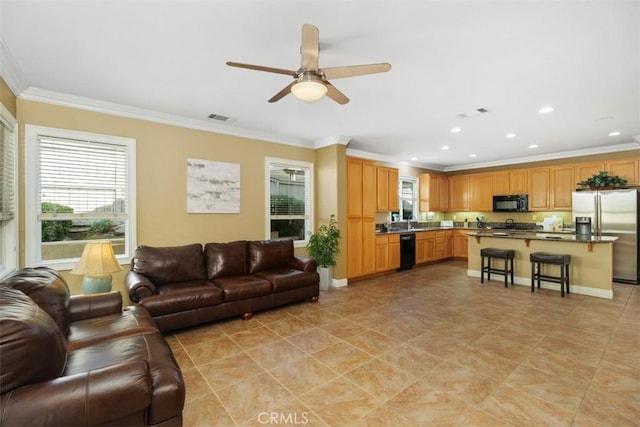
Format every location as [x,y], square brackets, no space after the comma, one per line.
[470,229]
[564,237]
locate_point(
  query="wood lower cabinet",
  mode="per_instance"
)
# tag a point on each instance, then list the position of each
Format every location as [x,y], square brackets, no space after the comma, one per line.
[387,252]
[460,244]
[425,246]
[443,244]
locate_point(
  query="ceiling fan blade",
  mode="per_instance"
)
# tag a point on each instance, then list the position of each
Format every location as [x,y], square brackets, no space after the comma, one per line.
[355,70]
[310,47]
[284,92]
[335,94]
[261,68]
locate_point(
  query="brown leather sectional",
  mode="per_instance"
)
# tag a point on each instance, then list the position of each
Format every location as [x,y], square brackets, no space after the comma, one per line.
[184,286]
[81,360]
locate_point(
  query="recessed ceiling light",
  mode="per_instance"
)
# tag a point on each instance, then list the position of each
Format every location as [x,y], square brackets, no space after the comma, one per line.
[456,130]
[510,135]
[533,146]
[445,147]
[545,110]
[615,133]
[472,155]
[414,158]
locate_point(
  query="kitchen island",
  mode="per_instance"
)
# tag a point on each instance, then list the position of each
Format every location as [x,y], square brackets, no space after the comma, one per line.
[591,269]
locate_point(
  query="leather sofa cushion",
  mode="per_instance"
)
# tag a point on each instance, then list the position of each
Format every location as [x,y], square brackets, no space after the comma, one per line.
[226,259]
[170,264]
[32,346]
[133,320]
[237,288]
[284,279]
[269,254]
[45,287]
[168,395]
[177,297]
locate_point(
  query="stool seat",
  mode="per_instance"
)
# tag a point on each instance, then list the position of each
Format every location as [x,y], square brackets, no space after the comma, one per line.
[548,258]
[561,260]
[506,254]
[498,253]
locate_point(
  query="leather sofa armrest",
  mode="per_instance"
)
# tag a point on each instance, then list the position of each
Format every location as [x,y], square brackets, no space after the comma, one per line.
[89,398]
[83,307]
[139,286]
[303,264]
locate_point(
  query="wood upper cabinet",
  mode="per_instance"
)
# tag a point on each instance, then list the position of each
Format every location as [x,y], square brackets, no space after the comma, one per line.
[500,183]
[538,189]
[434,192]
[459,193]
[386,189]
[561,187]
[518,181]
[624,168]
[481,186]
[585,170]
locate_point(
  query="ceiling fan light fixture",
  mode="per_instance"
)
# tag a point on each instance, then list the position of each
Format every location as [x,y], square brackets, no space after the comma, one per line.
[309,88]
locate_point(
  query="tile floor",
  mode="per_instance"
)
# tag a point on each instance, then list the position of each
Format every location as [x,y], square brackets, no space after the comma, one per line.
[427,346]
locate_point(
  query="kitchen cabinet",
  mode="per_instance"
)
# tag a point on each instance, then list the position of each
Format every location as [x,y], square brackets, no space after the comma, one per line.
[509,182]
[459,193]
[387,252]
[500,183]
[425,246]
[585,170]
[481,189]
[434,193]
[443,244]
[624,168]
[538,189]
[460,243]
[561,187]
[361,209]
[386,189]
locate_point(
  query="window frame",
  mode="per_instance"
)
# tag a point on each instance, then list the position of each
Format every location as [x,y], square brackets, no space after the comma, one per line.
[33,229]
[309,192]
[9,228]
[414,198]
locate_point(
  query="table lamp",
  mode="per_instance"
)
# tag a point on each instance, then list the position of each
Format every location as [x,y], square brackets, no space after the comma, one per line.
[97,263]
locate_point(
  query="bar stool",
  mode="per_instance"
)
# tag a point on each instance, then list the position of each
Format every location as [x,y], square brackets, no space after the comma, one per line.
[506,254]
[562,260]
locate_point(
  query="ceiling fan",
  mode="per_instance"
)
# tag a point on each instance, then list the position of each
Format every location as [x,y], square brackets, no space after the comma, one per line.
[310,81]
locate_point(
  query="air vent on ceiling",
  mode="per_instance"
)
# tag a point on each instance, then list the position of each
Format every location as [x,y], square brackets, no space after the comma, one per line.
[221,118]
[476,112]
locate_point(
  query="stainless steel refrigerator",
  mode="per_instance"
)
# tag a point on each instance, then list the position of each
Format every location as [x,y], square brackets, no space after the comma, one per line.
[614,213]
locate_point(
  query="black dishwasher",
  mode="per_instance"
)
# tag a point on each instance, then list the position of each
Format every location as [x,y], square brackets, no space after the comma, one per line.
[407,251]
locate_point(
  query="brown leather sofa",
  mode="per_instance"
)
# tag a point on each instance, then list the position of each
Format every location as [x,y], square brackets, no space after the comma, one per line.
[183,286]
[81,360]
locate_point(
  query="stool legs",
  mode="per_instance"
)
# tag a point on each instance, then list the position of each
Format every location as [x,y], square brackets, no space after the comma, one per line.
[481,269]
[506,261]
[536,275]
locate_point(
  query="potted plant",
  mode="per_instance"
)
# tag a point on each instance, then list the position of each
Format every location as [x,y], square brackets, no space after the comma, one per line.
[323,248]
[603,181]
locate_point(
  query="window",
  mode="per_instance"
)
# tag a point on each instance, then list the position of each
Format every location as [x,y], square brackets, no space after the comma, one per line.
[80,187]
[289,190]
[408,202]
[8,193]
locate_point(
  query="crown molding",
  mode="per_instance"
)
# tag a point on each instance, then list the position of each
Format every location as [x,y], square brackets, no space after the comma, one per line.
[9,72]
[97,106]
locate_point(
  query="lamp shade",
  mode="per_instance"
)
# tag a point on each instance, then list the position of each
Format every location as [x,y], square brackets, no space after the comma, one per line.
[309,88]
[97,259]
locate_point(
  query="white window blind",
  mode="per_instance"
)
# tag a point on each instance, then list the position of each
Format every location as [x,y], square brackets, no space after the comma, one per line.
[289,199]
[7,172]
[88,177]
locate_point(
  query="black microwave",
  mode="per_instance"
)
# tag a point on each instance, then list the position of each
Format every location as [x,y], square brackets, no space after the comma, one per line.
[511,203]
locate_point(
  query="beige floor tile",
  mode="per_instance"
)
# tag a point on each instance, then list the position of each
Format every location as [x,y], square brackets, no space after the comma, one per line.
[380,379]
[275,353]
[460,383]
[221,373]
[206,411]
[289,326]
[254,337]
[198,334]
[313,340]
[485,362]
[343,328]
[303,374]
[339,402]
[342,357]
[384,416]
[195,385]
[373,342]
[209,350]
[318,317]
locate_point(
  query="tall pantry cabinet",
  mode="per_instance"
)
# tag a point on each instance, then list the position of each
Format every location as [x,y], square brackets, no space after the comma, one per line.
[361,211]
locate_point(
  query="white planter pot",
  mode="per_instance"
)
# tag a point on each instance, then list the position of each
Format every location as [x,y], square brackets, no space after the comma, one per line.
[326,276]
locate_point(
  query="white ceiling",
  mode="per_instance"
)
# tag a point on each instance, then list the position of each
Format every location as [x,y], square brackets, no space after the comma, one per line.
[166,60]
